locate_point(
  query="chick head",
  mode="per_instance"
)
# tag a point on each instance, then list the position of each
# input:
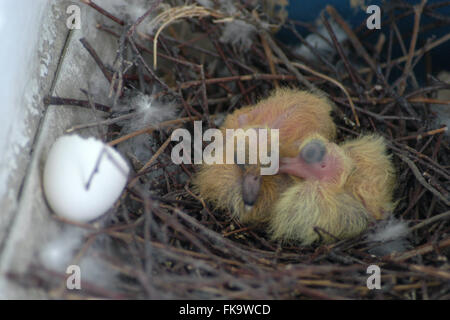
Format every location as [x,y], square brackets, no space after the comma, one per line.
[319,160]
[253,151]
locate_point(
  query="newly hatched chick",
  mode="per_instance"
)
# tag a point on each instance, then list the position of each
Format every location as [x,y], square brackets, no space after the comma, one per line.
[295,113]
[341,189]
[373,181]
[240,188]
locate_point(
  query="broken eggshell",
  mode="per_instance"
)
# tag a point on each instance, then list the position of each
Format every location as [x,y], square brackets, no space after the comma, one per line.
[83,177]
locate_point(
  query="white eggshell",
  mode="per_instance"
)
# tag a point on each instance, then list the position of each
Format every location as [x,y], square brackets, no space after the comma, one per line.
[70,164]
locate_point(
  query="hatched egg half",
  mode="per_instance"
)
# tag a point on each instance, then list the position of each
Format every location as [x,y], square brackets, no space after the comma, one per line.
[83,177]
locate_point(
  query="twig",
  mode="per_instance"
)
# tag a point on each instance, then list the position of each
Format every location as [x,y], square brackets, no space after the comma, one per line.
[426,48]
[149,70]
[424,249]
[417,14]
[337,83]
[103,12]
[431,220]
[102,123]
[151,129]
[286,61]
[57,101]
[421,179]
[425,134]
[133,27]
[96,58]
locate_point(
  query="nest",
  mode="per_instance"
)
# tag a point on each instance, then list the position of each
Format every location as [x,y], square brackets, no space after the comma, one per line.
[172,244]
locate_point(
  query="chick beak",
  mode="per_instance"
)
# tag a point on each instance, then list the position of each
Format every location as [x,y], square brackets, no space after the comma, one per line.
[251,185]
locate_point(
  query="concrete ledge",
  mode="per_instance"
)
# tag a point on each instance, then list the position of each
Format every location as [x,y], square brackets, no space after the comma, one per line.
[60,66]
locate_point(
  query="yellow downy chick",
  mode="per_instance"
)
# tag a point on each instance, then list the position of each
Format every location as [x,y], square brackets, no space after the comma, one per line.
[340,190]
[373,181]
[240,188]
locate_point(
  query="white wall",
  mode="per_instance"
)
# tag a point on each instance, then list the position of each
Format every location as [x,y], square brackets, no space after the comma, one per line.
[20,22]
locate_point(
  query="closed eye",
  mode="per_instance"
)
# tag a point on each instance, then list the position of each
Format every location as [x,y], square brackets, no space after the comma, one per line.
[313,152]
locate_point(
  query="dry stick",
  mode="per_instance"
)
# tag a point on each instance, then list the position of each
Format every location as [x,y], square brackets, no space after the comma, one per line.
[414,93]
[141,47]
[419,285]
[425,48]
[434,272]
[203,50]
[429,100]
[312,49]
[428,221]
[269,56]
[355,77]
[169,16]
[96,58]
[141,18]
[437,146]
[352,37]
[204,95]
[188,107]
[286,61]
[417,14]
[400,39]
[378,47]
[231,69]
[236,231]
[248,77]
[421,135]
[149,70]
[57,101]
[193,195]
[337,83]
[419,156]
[103,12]
[426,248]
[100,123]
[363,53]
[151,129]
[389,56]
[89,97]
[421,179]
[117,79]
[150,162]
[312,30]
[410,100]
[375,115]
[411,67]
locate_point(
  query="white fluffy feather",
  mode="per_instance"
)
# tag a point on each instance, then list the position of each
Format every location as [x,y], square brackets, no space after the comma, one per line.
[326,49]
[148,112]
[238,32]
[59,253]
[129,10]
[151,112]
[389,236]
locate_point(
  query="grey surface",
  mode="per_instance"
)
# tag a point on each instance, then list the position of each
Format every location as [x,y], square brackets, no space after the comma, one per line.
[26,223]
